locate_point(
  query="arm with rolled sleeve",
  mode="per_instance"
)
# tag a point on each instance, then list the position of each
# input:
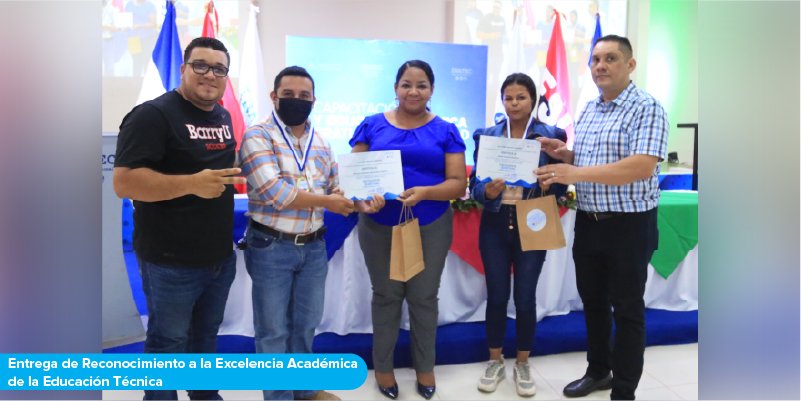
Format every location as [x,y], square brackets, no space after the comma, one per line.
[647,134]
[648,145]
[260,166]
[649,131]
[477,188]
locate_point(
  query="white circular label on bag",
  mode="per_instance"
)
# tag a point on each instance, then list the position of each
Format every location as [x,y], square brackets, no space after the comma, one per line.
[535,220]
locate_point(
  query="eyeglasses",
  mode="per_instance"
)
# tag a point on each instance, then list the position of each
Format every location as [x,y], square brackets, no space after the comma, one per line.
[202,68]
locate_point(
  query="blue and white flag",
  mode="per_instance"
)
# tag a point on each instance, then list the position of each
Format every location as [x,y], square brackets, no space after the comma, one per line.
[164,70]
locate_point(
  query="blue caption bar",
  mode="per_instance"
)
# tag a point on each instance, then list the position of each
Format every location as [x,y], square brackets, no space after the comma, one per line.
[181,371]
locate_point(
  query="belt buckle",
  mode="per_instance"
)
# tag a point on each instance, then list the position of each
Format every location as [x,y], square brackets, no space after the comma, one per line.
[297,237]
[595,216]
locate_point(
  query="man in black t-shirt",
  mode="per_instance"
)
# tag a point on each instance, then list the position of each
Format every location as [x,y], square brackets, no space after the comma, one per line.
[174,160]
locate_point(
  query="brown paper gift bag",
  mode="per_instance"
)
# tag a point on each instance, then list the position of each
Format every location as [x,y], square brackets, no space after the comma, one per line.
[406,255]
[539,224]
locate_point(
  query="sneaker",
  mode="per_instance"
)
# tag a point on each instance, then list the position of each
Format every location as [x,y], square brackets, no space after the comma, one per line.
[523,381]
[493,375]
[322,395]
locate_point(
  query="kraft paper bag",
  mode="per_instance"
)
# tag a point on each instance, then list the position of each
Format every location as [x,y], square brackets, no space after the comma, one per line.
[539,224]
[406,254]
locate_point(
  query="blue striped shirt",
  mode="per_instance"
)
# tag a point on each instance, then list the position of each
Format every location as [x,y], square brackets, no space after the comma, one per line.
[632,124]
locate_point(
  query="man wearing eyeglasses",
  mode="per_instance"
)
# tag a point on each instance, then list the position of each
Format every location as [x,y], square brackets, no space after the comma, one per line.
[174,159]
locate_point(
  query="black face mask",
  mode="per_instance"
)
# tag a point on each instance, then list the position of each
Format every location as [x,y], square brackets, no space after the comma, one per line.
[294,111]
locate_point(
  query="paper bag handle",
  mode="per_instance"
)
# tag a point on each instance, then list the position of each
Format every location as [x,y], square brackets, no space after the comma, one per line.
[531,191]
[405,214]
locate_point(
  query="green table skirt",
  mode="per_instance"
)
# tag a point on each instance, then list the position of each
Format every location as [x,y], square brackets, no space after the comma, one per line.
[677,218]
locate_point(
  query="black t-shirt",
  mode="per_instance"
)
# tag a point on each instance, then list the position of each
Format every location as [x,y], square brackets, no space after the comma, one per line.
[172,136]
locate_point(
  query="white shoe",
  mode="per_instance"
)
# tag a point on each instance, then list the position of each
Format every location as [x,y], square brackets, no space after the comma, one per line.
[523,381]
[493,375]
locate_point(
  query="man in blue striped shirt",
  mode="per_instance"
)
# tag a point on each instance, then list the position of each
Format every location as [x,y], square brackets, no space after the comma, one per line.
[620,139]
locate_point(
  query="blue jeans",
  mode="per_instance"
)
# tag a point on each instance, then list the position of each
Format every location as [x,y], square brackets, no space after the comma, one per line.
[500,249]
[185,309]
[288,294]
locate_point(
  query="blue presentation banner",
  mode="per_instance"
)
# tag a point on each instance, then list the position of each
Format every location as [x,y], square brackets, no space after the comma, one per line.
[181,371]
[355,78]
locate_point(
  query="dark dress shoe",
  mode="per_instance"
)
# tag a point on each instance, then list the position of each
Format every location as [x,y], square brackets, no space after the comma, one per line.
[426,391]
[390,392]
[586,385]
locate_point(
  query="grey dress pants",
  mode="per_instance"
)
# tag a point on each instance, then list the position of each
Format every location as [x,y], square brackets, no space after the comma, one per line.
[420,292]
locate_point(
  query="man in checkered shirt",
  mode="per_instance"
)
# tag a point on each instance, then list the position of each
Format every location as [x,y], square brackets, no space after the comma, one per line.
[620,139]
[292,178]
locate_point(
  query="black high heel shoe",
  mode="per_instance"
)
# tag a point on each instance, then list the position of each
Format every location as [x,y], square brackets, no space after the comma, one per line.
[426,391]
[390,392]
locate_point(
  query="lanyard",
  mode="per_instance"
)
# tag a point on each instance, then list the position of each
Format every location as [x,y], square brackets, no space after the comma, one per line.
[525,131]
[301,163]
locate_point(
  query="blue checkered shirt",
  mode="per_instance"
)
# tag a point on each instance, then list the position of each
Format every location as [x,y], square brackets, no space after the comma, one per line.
[632,124]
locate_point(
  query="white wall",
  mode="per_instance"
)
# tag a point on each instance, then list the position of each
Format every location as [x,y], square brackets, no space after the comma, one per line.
[637,32]
[411,20]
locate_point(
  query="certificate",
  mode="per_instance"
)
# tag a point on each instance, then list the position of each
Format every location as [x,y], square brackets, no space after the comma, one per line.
[364,174]
[512,159]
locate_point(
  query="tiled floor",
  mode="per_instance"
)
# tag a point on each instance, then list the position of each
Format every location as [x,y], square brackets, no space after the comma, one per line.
[671,373]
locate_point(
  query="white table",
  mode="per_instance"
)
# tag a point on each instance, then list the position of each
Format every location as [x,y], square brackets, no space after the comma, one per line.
[462,295]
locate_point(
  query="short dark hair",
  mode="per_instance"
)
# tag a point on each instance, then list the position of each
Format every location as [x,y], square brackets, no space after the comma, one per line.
[416,64]
[524,80]
[622,42]
[292,71]
[209,43]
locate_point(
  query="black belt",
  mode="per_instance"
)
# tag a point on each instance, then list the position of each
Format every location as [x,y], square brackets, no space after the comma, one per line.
[599,216]
[298,239]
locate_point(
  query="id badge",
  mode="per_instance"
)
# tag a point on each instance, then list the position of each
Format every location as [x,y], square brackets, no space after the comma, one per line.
[303,184]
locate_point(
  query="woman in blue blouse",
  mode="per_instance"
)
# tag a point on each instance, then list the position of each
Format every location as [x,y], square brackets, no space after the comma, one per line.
[432,154]
[499,241]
